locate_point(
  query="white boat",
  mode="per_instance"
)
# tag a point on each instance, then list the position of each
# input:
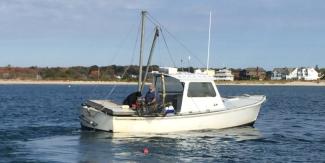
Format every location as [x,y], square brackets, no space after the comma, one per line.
[194,97]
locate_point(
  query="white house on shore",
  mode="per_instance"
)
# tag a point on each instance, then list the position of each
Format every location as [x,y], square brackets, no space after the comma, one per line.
[284,74]
[307,74]
[224,75]
[294,74]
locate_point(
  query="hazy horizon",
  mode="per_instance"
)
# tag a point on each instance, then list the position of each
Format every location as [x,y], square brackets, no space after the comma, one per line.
[13,66]
[267,33]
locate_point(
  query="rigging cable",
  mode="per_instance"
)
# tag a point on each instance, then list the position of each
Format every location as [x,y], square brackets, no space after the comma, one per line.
[168,51]
[132,59]
[127,68]
[153,20]
[117,51]
[164,39]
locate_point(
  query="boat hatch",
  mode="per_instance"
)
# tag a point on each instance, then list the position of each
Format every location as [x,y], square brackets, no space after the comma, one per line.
[110,108]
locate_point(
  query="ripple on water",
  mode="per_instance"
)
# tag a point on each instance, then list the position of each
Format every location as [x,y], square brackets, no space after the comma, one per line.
[40,124]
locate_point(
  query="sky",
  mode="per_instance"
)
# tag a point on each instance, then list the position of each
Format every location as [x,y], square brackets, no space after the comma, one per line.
[244,33]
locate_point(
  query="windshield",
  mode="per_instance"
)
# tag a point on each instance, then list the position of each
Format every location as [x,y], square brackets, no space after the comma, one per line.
[172,85]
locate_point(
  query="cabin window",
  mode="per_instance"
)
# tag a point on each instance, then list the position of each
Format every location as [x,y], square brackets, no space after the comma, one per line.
[201,89]
[174,91]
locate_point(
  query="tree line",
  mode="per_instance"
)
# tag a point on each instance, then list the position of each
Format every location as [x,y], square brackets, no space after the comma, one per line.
[92,73]
[82,73]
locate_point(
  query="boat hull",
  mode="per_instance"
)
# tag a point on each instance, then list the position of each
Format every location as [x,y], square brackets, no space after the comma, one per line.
[95,119]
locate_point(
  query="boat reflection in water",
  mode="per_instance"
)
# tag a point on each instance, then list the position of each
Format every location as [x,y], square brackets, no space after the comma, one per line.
[238,134]
[90,146]
[182,146]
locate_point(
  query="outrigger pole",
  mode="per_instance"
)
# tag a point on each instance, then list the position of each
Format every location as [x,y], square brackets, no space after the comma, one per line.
[150,56]
[143,14]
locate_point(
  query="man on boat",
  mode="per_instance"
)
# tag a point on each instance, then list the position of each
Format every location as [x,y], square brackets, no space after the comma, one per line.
[151,98]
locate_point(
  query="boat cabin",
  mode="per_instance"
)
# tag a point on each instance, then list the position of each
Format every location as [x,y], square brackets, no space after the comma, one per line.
[188,92]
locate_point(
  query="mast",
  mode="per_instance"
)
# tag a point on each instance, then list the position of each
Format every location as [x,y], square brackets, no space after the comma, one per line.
[209,43]
[150,56]
[143,14]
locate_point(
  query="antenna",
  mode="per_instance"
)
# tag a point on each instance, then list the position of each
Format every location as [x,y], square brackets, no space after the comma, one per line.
[189,63]
[209,43]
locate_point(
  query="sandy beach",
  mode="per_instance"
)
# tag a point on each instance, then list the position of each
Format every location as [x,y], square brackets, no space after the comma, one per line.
[248,83]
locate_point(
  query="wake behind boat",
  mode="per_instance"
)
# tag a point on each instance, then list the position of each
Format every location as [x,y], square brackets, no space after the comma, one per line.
[180,101]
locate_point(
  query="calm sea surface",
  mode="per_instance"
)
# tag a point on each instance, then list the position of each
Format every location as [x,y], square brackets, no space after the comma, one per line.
[39,123]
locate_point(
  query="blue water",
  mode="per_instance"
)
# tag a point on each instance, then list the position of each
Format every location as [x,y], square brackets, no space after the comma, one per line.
[39,123]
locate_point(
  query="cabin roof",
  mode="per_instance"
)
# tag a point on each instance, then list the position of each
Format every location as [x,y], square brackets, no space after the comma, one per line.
[185,76]
[285,71]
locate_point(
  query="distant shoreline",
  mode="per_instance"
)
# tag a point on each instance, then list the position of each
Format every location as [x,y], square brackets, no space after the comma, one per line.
[225,83]
[64,82]
[273,83]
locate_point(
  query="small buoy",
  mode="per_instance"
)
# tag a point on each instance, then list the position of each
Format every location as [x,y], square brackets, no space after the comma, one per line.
[69,86]
[145,151]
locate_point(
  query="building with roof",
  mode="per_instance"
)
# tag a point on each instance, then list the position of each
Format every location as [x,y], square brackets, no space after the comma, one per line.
[224,75]
[307,74]
[236,73]
[256,73]
[284,74]
[301,73]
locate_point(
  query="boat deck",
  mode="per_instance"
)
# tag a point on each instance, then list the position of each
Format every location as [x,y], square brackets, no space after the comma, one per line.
[234,102]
